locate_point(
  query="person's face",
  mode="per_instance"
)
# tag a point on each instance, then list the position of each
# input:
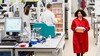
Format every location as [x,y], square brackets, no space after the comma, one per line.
[79,14]
[50,8]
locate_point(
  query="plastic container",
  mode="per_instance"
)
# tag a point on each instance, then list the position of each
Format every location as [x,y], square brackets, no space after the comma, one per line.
[22,45]
[80,29]
[33,41]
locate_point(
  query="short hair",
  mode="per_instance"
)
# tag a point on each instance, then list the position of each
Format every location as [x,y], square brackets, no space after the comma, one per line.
[49,5]
[82,12]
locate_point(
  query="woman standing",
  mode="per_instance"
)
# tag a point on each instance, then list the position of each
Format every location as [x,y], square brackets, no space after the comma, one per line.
[26,20]
[80,28]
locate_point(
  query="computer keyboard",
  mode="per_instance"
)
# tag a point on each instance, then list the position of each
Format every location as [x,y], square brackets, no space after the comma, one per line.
[9,38]
[7,43]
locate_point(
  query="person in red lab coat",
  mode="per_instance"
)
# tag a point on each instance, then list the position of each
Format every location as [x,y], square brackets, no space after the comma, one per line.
[80,28]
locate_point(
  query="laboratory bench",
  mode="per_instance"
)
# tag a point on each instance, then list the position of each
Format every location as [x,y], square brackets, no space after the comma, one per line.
[52,47]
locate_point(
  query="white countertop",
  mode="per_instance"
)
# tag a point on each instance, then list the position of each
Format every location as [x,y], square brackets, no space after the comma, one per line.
[7,46]
[50,43]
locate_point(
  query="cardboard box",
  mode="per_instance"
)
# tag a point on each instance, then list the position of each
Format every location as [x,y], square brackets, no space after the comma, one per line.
[80,29]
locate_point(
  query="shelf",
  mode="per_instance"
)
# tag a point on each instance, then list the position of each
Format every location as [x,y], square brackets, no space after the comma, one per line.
[32,1]
[58,11]
[59,23]
[91,2]
[59,28]
[58,14]
[57,32]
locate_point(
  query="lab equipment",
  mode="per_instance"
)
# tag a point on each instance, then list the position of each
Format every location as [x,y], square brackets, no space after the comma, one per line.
[45,30]
[48,31]
[16,14]
[7,44]
[41,40]
[33,41]
[8,14]
[36,28]
[11,39]
[13,26]
[4,6]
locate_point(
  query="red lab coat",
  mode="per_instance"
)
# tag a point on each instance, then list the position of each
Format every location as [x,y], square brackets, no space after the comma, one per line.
[80,40]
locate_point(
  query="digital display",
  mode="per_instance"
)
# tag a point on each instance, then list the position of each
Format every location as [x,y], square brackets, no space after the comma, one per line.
[13,24]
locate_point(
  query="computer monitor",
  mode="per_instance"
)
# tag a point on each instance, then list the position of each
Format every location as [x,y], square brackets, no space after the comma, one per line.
[13,24]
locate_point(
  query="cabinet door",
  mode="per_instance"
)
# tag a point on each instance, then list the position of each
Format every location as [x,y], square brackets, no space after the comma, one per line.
[5,53]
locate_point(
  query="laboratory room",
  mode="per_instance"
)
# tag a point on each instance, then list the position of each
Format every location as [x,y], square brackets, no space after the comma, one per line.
[49,28]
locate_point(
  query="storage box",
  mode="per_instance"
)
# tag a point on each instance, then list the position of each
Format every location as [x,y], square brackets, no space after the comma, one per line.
[80,29]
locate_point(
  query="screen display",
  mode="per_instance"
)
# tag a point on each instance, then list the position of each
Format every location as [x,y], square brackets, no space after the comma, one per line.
[13,24]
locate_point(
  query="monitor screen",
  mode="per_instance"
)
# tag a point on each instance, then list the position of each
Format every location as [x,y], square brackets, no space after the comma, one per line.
[13,24]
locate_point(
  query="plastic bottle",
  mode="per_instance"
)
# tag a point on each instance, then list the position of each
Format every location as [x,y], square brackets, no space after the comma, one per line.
[30,44]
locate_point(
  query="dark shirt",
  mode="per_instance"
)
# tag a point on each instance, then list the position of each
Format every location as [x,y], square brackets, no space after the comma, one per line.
[16,14]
